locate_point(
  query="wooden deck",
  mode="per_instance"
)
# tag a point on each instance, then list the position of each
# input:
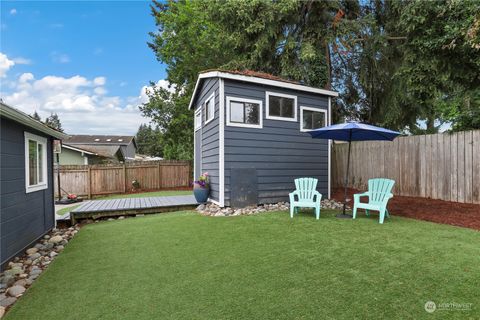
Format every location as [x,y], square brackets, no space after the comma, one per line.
[130,206]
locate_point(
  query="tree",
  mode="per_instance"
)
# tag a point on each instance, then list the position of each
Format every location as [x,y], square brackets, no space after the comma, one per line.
[53,121]
[169,111]
[36,116]
[402,64]
[149,141]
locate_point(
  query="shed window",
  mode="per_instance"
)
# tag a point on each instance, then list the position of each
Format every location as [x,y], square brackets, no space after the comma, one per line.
[244,112]
[198,119]
[35,162]
[281,106]
[209,109]
[312,118]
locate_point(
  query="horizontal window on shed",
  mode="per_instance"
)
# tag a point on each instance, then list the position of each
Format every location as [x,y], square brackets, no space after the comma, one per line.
[312,118]
[244,112]
[281,106]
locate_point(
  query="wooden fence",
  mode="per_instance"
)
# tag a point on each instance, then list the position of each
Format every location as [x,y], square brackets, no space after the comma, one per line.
[92,180]
[438,166]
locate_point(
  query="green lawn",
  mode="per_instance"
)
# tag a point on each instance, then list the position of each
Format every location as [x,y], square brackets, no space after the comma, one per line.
[133,195]
[186,266]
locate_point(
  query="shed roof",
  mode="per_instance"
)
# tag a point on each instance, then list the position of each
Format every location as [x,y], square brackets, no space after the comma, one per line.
[23,118]
[259,78]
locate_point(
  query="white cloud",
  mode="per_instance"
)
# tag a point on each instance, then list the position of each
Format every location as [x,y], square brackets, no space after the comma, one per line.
[13,11]
[59,57]
[99,81]
[160,84]
[81,103]
[20,60]
[5,64]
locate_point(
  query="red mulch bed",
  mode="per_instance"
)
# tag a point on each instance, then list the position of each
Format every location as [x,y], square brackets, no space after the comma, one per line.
[454,213]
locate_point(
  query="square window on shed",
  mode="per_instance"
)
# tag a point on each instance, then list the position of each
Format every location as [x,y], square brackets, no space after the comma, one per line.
[312,118]
[244,112]
[35,162]
[281,106]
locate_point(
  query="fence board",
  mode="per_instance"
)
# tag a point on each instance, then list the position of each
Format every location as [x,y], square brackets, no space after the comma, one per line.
[91,180]
[440,166]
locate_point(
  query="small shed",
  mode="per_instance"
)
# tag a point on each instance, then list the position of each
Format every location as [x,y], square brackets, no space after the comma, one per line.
[26,193]
[251,136]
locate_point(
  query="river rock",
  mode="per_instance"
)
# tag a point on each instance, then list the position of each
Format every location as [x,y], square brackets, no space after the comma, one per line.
[32,251]
[55,239]
[16,291]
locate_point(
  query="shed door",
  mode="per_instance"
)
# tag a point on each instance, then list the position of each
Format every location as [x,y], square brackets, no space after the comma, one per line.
[243,185]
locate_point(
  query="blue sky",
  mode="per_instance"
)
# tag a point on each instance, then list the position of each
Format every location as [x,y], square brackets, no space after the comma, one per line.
[83,60]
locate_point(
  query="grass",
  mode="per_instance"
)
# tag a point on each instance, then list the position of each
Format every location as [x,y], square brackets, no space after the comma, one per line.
[132,195]
[186,266]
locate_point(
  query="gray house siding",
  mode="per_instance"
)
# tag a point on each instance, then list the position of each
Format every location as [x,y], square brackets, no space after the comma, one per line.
[207,138]
[24,216]
[279,151]
[129,151]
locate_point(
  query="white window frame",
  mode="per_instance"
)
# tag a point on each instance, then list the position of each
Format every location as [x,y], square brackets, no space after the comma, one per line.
[244,125]
[43,141]
[210,117]
[311,109]
[198,124]
[283,95]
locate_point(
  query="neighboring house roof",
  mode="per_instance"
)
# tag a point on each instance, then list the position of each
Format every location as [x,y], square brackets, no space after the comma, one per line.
[66,146]
[99,140]
[259,78]
[108,151]
[23,118]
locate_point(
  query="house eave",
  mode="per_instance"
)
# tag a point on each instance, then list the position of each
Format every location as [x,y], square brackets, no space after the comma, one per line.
[274,83]
[21,117]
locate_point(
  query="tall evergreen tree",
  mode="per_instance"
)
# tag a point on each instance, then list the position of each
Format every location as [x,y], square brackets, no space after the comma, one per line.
[36,116]
[53,121]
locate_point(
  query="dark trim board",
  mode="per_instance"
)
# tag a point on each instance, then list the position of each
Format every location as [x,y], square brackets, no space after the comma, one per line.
[131,206]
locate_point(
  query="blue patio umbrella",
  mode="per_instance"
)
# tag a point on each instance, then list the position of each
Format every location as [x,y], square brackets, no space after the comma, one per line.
[352,131]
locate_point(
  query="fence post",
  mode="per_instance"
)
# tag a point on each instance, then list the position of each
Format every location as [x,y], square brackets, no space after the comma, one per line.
[124,178]
[89,180]
[159,175]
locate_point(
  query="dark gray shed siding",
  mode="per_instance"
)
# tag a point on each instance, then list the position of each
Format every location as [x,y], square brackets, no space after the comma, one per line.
[279,151]
[24,216]
[209,137]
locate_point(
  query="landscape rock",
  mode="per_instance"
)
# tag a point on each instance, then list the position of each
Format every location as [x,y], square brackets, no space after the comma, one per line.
[214,210]
[55,239]
[16,291]
[8,301]
[46,237]
[34,256]
[7,280]
[2,311]
[32,251]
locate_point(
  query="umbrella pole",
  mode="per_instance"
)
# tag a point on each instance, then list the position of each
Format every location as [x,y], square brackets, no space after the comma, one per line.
[344,215]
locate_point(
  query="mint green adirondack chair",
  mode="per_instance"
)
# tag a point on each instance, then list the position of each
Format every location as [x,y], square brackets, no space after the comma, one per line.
[305,196]
[379,192]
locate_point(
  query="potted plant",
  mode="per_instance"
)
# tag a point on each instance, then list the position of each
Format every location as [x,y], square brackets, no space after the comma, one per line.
[201,188]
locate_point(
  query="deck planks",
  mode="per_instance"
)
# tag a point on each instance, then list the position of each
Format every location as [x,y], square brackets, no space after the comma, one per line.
[135,204]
